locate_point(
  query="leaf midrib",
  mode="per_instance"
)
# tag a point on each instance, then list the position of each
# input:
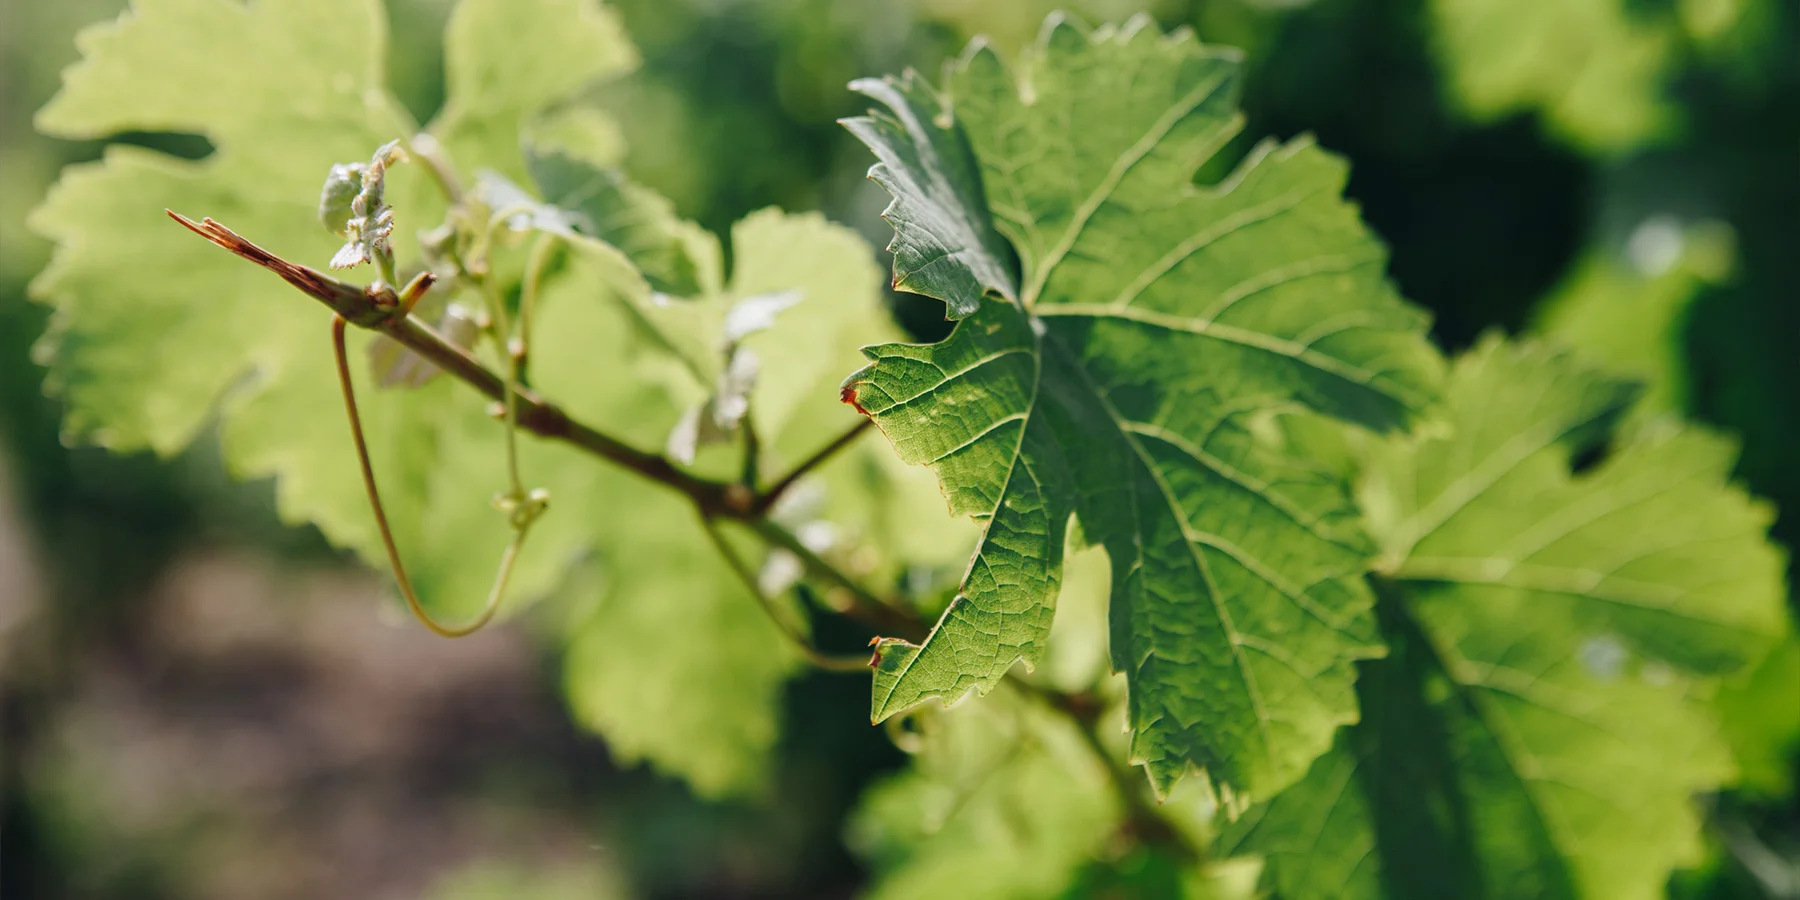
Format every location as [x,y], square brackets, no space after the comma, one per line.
[1251,687]
[1303,354]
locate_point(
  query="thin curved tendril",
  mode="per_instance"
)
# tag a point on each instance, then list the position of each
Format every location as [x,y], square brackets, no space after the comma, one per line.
[742,570]
[381,523]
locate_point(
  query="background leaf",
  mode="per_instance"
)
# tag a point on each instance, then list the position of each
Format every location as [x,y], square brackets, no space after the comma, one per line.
[496,95]
[1003,801]
[1540,727]
[1594,68]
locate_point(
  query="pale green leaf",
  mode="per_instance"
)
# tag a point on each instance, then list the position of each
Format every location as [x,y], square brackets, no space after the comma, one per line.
[1651,544]
[1539,728]
[1159,323]
[581,132]
[157,331]
[677,664]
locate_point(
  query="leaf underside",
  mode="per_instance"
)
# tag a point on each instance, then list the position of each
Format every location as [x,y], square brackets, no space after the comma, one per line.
[1126,375]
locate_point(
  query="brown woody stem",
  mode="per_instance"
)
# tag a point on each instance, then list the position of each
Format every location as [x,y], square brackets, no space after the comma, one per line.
[372,310]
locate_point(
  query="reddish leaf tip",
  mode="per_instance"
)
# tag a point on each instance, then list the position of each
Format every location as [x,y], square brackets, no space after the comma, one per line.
[848,395]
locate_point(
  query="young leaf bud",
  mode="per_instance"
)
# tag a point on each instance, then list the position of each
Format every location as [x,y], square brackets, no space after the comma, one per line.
[341,187]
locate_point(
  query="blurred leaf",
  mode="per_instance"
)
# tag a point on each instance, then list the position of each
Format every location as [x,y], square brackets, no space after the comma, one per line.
[675,255]
[1760,715]
[677,664]
[157,331]
[1538,729]
[1157,323]
[1630,313]
[496,93]
[1594,68]
[1003,800]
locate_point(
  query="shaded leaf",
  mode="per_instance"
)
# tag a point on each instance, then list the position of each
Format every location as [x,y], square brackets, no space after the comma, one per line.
[945,245]
[1540,726]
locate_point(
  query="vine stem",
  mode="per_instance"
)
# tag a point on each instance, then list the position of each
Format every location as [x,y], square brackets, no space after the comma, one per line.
[793,634]
[379,311]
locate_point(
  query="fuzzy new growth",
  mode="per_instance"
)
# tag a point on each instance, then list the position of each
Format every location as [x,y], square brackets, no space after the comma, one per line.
[351,206]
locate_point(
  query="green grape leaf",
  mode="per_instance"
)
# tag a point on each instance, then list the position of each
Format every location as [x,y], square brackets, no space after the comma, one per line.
[1002,800]
[1540,725]
[1594,68]
[945,245]
[1159,326]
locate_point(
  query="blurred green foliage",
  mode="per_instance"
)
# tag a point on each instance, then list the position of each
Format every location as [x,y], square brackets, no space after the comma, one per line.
[1559,168]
